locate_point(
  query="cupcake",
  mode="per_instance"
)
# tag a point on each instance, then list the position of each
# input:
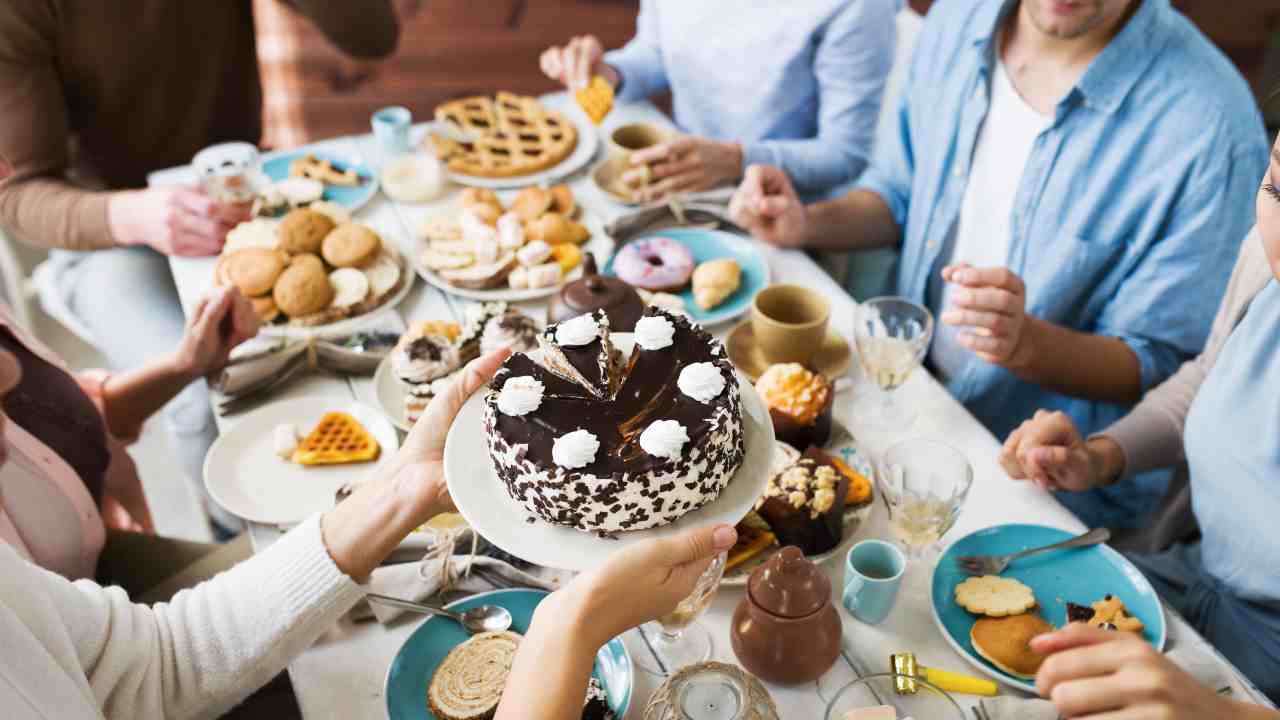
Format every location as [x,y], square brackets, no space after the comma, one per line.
[799,403]
[511,329]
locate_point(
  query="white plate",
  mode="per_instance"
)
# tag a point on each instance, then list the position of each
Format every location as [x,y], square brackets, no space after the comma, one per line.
[389,391]
[483,500]
[351,324]
[243,473]
[853,521]
[600,245]
[588,143]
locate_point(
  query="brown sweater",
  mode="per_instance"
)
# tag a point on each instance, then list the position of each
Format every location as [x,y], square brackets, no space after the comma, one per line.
[96,94]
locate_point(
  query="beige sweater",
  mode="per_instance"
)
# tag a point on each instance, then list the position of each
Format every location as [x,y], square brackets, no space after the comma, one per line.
[1151,434]
[77,650]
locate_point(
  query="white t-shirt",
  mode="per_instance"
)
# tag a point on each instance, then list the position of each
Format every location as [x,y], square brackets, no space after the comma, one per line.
[982,236]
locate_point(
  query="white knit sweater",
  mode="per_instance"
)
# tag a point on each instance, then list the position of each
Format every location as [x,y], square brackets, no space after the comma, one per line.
[77,650]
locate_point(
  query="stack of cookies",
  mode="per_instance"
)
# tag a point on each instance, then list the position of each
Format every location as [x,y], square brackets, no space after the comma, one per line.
[311,270]
[533,243]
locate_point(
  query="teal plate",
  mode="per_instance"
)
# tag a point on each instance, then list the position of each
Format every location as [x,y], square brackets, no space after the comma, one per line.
[1082,576]
[710,245]
[425,649]
[276,167]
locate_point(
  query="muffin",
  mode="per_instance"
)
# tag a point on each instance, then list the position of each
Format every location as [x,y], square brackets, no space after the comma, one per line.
[253,271]
[799,403]
[303,231]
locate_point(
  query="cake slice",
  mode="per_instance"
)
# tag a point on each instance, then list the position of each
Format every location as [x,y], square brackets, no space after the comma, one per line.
[804,504]
[579,350]
[468,684]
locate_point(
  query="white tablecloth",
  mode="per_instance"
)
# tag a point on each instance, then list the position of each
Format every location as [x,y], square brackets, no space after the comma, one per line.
[342,675]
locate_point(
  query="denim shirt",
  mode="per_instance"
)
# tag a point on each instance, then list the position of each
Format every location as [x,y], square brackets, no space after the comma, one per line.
[1130,209]
[798,84]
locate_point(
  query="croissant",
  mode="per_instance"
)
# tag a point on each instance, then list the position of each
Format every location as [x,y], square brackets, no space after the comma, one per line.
[714,281]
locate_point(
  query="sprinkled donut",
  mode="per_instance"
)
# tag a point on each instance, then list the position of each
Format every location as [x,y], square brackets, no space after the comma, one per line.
[658,264]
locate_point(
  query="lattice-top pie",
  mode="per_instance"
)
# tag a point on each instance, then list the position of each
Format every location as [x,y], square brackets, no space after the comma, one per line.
[510,135]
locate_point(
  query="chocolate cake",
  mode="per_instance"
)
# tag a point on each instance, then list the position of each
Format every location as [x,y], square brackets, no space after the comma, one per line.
[804,504]
[586,440]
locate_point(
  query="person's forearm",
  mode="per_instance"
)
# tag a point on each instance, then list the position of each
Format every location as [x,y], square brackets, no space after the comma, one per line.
[52,213]
[859,220]
[549,677]
[1095,367]
[361,531]
[130,397]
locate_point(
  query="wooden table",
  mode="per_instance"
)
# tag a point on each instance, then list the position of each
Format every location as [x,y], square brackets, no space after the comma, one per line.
[342,675]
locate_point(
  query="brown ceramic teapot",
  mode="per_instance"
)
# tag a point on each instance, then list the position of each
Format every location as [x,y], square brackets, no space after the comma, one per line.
[594,291]
[786,629]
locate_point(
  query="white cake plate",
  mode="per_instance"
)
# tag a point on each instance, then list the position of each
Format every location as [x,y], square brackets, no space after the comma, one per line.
[483,500]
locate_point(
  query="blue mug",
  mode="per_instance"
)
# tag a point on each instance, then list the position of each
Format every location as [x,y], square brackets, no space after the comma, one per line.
[391,128]
[873,573]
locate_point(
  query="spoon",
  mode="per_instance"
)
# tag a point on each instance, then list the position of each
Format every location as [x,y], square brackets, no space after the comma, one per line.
[483,618]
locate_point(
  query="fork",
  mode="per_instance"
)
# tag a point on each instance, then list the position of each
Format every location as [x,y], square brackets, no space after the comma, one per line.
[996,564]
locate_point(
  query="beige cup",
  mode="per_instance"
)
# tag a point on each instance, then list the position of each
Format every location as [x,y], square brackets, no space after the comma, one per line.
[789,322]
[626,139]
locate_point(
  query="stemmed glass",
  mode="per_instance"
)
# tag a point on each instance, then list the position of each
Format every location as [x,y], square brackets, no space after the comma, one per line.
[923,483]
[677,639]
[892,334]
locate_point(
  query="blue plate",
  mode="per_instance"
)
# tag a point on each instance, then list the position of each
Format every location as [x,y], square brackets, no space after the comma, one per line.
[1082,576]
[425,649]
[351,198]
[710,245]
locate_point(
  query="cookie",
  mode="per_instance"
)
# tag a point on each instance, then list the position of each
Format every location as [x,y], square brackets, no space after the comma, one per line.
[994,596]
[562,201]
[266,308]
[531,202]
[303,288]
[253,271]
[303,230]
[552,228]
[351,246]
[332,210]
[485,214]
[1109,613]
[1006,642]
[350,287]
[479,196]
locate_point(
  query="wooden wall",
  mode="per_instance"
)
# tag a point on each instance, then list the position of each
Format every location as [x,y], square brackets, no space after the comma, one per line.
[447,48]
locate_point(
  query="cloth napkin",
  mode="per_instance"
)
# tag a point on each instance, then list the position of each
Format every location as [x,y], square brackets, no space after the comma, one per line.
[454,561]
[1201,665]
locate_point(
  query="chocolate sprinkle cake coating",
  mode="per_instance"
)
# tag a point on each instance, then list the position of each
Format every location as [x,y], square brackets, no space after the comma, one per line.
[623,487]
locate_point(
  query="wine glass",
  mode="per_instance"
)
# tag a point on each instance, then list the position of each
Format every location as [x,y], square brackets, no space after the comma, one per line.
[923,483]
[892,334]
[677,639]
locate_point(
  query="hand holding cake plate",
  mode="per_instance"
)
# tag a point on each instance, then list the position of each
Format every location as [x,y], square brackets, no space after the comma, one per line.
[483,498]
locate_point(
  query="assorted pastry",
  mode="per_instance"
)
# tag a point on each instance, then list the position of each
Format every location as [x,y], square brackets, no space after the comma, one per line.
[324,171]
[505,136]
[591,439]
[431,354]
[596,99]
[807,502]
[469,682]
[799,402]
[308,269]
[338,439]
[660,264]
[1007,622]
[532,244]
[1109,613]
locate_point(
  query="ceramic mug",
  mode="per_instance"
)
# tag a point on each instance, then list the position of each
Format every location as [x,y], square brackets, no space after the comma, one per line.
[391,128]
[789,322]
[873,573]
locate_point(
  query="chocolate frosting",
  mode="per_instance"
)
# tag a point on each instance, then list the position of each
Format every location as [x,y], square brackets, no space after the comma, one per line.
[594,291]
[647,393]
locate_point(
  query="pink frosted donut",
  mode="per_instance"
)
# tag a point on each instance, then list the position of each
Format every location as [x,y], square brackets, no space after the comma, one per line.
[658,263]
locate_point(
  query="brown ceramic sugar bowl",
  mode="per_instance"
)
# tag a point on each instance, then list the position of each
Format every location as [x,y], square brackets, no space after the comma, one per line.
[786,629]
[789,322]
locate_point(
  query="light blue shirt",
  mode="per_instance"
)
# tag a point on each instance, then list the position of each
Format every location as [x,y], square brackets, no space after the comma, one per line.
[1128,216]
[799,84]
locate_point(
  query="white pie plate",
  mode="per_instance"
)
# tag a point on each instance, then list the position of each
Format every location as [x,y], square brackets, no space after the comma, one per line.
[244,475]
[600,245]
[583,152]
[483,500]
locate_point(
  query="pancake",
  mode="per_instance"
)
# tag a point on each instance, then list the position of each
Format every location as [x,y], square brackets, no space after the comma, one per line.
[1005,642]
